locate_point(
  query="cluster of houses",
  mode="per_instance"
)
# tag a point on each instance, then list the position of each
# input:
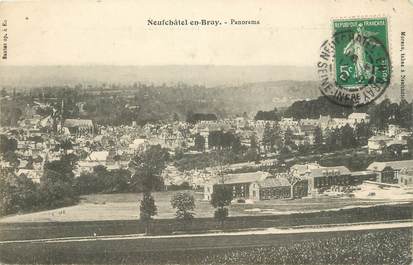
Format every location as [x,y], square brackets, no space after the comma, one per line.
[394,136]
[309,180]
[39,141]
[181,134]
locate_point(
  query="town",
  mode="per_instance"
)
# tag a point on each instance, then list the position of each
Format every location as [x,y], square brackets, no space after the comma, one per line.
[263,156]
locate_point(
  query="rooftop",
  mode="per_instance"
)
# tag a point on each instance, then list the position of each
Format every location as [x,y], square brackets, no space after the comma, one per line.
[244,177]
[397,165]
[380,138]
[77,123]
[274,182]
[320,172]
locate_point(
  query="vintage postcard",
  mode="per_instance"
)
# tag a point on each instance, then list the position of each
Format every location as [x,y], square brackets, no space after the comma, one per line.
[206,132]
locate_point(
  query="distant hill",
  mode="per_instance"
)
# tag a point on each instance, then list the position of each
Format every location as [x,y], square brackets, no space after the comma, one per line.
[223,90]
[207,75]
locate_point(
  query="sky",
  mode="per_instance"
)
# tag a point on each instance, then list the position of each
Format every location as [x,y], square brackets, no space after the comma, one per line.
[116,32]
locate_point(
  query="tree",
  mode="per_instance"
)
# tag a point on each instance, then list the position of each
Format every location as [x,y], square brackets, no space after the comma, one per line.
[147,209]
[88,183]
[12,158]
[318,136]
[410,145]
[3,92]
[66,145]
[362,133]
[220,198]
[271,115]
[267,137]
[406,114]
[236,146]
[27,194]
[253,142]
[348,139]
[179,153]
[199,143]
[271,137]
[17,193]
[380,114]
[288,137]
[195,117]
[57,183]
[116,181]
[7,145]
[185,205]
[333,141]
[252,155]
[148,166]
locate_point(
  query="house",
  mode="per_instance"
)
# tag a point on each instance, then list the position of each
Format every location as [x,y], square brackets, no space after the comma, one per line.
[377,143]
[403,135]
[393,130]
[309,122]
[286,123]
[358,177]
[339,122]
[323,178]
[299,188]
[97,158]
[358,117]
[138,144]
[299,170]
[274,188]
[260,186]
[32,174]
[79,126]
[406,178]
[324,122]
[388,172]
[243,185]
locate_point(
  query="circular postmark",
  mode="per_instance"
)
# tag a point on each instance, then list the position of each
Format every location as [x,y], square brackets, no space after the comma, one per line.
[354,67]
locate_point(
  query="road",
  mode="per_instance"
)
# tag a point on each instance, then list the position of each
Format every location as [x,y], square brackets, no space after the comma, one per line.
[117,248]
[304,229]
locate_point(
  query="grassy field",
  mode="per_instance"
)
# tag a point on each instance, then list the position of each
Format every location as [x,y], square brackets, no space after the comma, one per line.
[125,207]
[389,246]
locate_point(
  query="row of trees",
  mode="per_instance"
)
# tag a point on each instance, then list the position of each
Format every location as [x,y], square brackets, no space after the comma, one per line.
[272,115]
[330,140]
[381,114]
[343,138]
[103,181]
[184,203]
[271,138]
[387,112]
[148,166]
[56,188]
[8,147]
[224,140]
[312,109]
[195,117]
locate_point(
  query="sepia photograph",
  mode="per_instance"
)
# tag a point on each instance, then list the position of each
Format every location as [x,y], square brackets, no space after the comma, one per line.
[206,133]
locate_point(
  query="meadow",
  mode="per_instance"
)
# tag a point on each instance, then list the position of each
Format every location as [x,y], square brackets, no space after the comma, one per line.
[125,206]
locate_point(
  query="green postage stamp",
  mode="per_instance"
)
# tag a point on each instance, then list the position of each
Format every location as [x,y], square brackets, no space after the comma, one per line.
[354,66]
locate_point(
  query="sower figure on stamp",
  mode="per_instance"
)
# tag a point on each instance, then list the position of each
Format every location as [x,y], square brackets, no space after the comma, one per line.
[356,49]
